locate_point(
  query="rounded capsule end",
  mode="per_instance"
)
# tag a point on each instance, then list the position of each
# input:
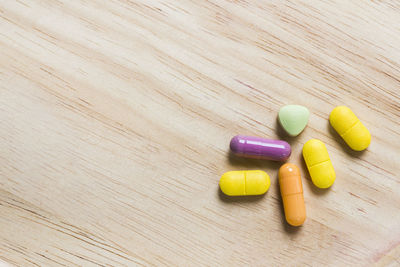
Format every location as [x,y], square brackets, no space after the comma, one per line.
[289,169]
[287,151]
[235,145]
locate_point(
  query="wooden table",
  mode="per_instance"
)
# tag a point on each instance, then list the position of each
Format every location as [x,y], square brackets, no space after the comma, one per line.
[116,118]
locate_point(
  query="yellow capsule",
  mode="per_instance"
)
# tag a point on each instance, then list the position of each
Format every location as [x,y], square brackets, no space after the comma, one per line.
[318,163]
[350,128]
[244,183]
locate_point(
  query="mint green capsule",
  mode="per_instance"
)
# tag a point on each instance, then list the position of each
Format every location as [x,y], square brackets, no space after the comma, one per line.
[293,119]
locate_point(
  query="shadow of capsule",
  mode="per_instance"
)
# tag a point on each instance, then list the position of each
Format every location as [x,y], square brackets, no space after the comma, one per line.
[249,163]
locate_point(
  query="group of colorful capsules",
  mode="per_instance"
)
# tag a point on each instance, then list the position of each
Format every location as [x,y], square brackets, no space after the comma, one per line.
[293,119]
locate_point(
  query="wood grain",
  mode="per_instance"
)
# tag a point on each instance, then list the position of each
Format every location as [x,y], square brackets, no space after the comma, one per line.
[116,118]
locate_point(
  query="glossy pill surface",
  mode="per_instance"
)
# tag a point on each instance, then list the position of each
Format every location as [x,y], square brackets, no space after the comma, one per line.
[292,194]
[244,183]
[350,128]
[260,148]
[318,163]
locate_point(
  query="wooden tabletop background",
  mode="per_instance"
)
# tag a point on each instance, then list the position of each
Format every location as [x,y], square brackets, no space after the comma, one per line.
[116,118]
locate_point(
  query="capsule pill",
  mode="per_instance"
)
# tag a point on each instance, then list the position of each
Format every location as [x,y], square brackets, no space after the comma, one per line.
[318,163]
[350,128]
[260,148]
[292,194]
[244,183]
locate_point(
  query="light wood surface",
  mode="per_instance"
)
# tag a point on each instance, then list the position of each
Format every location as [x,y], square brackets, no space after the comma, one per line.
[116,118]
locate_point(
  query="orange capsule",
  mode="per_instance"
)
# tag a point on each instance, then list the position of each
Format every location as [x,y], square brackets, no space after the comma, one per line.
[292,194]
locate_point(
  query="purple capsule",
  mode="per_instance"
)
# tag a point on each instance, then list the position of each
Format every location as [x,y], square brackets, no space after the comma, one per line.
[260,148]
